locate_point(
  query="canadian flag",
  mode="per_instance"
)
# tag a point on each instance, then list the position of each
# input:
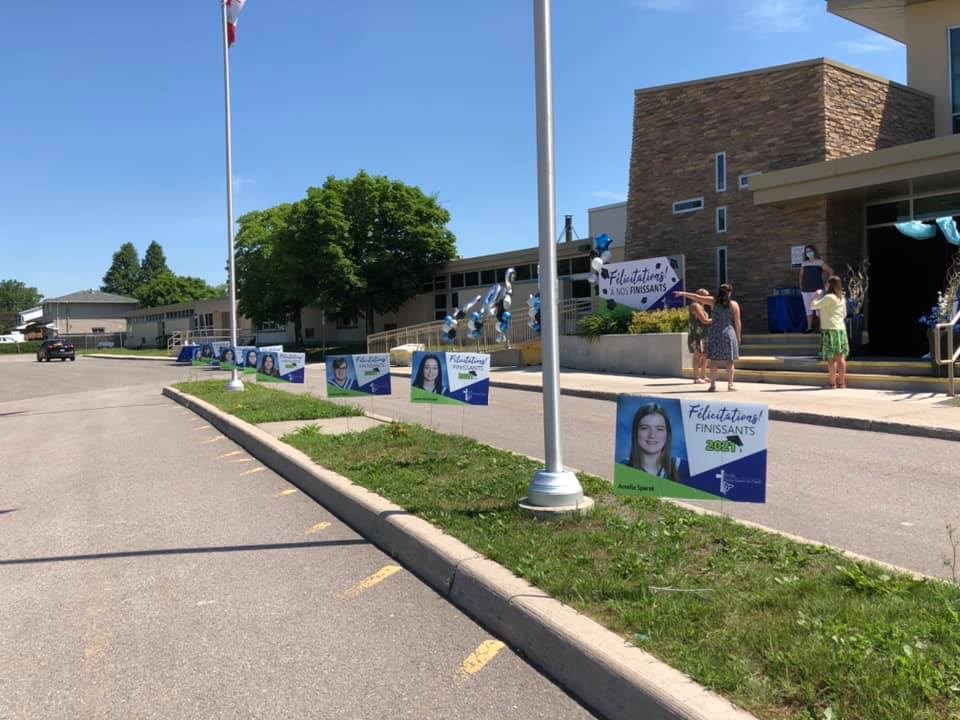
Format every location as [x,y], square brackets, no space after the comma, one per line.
[234,8]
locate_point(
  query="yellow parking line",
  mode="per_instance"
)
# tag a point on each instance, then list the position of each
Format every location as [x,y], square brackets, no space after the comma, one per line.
[216,439]
[203,427]
[255,470]
[479,659]
[374,579]
[318,527]
[240,460]
[291,491]
[231,454]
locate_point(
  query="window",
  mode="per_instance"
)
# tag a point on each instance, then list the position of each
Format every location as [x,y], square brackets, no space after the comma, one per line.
[954,40]
[440,282]
[98,330]
[308,333]
[743,182]
[347,322]
[563,268]
[721,266]
[721,219]
[454,299]
[389,326]
[440,315]
[471,279]
[523,273]
[456,280]
[501,274]
[488,277]
[580,265]
[270,326]
[720,165]
[427,286]
[581,289]
[685,206]
[440,302]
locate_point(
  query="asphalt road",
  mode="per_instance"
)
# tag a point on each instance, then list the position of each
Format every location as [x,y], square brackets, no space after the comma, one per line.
[149,568]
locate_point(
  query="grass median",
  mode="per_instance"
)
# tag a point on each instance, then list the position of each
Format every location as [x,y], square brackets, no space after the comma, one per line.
[258,404]
[786,630]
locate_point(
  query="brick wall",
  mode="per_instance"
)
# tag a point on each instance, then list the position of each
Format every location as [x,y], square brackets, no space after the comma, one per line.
[864,114]
[763,121]
[767,120]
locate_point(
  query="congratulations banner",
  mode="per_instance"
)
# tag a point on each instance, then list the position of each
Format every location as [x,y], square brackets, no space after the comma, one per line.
[642,284]
[450,378]
[358,375]
[692,449]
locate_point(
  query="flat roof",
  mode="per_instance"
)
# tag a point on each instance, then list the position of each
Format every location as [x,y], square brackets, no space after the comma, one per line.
[781,68]
[936,158]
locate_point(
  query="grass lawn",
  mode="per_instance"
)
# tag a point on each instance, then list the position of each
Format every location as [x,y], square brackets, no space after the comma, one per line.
[787,631]
[258,404]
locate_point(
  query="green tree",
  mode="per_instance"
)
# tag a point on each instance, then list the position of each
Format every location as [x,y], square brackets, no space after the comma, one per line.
[396,237]
[357,247]
[168,289]
[16,296]
[123,277]
[154,264]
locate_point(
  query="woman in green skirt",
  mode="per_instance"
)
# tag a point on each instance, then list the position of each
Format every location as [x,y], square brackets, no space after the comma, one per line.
[834,346]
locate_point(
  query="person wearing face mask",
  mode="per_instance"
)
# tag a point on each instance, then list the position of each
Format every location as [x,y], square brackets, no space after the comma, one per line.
[813,274]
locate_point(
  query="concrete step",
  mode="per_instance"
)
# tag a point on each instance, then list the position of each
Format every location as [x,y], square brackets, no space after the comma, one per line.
[897,383]
[812,363]
[781,339]
[791,350]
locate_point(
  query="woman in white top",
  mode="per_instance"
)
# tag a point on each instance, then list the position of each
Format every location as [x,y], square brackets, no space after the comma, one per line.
[834,346]
[813,271]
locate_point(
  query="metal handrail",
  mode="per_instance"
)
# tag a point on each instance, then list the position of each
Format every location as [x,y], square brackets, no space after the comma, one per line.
[951,356]
[430,334]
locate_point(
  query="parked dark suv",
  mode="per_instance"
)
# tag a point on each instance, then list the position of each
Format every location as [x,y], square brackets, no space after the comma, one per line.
[55,348]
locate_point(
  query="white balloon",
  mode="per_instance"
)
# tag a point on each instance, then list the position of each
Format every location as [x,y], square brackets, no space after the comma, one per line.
[592,278]
[605,256]
[596,264]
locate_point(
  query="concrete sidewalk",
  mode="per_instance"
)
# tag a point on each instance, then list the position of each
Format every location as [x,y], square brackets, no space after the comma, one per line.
[932,415]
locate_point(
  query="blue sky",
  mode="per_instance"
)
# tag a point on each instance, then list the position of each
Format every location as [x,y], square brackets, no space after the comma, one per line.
[112,122]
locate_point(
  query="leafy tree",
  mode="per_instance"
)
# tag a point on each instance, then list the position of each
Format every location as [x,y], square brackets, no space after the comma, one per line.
[16,296]
[123,277]
[154,264]
[396,237]
[357,247]
[168,289]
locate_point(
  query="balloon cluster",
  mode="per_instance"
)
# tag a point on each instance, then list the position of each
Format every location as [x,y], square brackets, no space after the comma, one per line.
[598,256]
[501,308]
[497,303]
[533,311]
[450,321]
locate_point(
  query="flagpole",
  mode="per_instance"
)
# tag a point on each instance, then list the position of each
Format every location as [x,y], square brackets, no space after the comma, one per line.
[552,487]
[235,383]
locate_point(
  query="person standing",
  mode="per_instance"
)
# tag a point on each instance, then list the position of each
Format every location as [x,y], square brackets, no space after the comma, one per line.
[724,334]
[813,271]
[697,338]
[834,345]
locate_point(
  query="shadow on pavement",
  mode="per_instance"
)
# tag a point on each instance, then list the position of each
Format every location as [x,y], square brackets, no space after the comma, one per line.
[184,551]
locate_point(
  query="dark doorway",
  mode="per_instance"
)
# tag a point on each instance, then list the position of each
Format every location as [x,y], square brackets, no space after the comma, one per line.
[905,277]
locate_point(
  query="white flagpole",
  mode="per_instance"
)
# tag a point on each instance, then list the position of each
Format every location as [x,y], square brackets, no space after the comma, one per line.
[552,487]
[235,383]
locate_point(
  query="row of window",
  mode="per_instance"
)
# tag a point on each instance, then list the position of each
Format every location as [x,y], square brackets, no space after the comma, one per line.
[484,278]
[153,317]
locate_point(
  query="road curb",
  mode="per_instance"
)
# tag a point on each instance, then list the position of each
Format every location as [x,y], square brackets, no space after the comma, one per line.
[149,358]
[795,416]
[598,667]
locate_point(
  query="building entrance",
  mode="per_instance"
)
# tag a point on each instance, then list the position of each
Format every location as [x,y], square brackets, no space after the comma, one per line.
[905,277]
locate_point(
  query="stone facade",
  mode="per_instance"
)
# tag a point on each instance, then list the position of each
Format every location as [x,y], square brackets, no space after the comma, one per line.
[767,120]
